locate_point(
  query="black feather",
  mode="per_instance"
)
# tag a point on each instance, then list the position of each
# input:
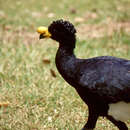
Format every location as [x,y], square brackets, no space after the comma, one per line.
[99,81]
[61,25]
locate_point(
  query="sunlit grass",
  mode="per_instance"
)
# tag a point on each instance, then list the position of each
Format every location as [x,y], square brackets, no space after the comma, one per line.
[38,100]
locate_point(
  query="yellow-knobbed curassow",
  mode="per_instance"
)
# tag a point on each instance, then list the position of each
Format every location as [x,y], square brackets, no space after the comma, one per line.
[103,83]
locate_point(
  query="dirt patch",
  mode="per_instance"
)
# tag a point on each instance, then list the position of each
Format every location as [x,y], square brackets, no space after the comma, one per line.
[20,34]
[101,30]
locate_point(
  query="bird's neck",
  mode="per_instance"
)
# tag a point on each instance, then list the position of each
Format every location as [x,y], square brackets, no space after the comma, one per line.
[66,62]
[66,50]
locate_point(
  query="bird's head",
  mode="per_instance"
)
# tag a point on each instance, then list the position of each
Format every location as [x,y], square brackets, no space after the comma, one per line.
[61,31]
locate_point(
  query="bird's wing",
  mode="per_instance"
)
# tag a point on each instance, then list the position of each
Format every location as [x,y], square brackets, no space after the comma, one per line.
[109,80]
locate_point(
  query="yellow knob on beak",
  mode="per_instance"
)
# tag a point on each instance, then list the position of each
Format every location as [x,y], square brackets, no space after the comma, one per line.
[43,31]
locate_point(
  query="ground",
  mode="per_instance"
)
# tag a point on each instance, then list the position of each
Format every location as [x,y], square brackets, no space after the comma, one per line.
[35,96]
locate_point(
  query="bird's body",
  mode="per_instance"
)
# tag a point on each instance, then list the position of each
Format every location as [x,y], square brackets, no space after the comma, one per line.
[103,83]
[100,81]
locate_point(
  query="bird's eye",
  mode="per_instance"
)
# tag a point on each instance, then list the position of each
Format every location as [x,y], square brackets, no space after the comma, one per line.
[54,30]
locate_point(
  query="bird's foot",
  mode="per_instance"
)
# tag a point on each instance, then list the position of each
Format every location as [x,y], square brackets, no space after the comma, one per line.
[86,129]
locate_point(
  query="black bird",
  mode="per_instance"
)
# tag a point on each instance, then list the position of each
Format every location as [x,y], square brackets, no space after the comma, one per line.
[103,82]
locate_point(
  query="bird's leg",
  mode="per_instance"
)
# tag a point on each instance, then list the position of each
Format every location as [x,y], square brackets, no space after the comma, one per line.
[92,119]
[86,129]
[119,124]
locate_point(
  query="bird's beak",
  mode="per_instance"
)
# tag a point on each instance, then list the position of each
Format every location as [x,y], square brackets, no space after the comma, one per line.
[44,33]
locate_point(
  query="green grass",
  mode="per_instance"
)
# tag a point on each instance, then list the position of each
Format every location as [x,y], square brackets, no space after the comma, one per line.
[39,101]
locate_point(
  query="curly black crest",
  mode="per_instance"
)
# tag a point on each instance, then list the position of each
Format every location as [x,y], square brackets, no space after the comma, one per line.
[62,27]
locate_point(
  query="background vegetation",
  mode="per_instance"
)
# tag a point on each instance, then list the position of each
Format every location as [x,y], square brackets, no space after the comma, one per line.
[35,95]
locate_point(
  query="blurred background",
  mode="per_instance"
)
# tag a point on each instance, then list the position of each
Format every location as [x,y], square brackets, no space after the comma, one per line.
[35,95]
